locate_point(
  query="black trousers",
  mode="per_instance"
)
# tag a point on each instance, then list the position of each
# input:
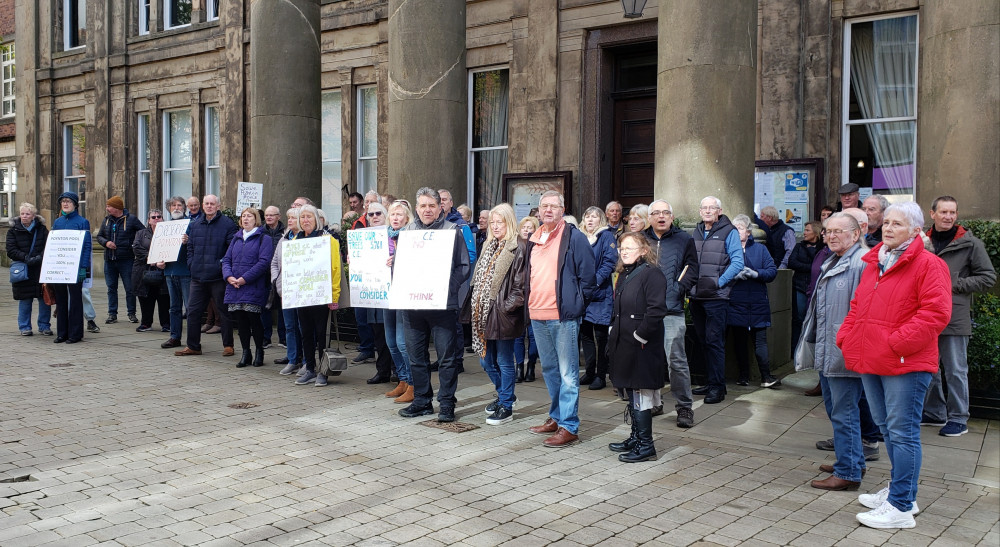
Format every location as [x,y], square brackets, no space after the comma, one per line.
[249,325]
[421,328]
[743,336]
[383,359]
[157,296]
[594,339]
[312,324]
[198,296]
[69,310]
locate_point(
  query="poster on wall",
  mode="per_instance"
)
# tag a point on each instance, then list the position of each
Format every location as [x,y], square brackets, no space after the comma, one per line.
[523,191]
[793,187]
[370,277]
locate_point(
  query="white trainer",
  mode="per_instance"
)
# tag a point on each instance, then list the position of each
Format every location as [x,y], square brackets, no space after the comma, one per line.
[873,501]
[886,516]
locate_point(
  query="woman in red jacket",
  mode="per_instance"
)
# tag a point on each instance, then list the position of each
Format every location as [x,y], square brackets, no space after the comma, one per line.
[901,305]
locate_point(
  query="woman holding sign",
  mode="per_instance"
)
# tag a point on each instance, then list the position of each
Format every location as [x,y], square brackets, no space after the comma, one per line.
[247,271]
[399,216]
[498,308]
[313,319]
[69,296]
[152,289]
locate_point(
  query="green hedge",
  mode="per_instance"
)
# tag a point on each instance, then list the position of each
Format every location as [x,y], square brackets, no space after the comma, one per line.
[984,347]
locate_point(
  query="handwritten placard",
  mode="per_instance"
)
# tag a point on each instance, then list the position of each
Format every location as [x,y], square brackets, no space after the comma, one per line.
[422,270]
[370,277]
[249,194]
[168,236]
[305,273]
[61,261]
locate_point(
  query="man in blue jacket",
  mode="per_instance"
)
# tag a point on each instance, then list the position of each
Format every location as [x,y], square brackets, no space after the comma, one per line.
[178,277]
[208,239]
[116,236]
[561,282]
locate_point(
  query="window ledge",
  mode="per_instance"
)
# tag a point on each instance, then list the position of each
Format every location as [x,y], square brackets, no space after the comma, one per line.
[69,52]
[173,31]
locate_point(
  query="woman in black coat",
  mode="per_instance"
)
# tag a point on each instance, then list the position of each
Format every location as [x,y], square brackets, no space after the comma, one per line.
[149,295]
[26,243]
[635,342]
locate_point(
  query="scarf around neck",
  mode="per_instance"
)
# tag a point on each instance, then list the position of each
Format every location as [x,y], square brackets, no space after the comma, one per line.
[494,263]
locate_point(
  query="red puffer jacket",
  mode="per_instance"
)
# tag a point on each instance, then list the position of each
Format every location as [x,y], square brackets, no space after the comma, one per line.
[895,318]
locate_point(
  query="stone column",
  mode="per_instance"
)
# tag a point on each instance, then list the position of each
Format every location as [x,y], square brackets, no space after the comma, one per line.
[957,129]
[285,127]
[705,104]
[427,97]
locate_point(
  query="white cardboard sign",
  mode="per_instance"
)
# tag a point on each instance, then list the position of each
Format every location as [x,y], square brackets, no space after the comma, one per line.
[305,270]
[61,261]
[422,269]
[249,194]
[370,278]
[168,237]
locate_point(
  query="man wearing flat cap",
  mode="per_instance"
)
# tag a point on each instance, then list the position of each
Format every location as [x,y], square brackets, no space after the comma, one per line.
[116,236]
[849,196]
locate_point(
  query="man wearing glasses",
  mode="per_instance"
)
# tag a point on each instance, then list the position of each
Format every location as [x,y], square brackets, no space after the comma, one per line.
[561,282]
[678,261]
[720,258]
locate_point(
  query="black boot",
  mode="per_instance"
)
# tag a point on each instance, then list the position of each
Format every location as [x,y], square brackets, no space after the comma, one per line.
[628,444]
[520,373]
[643,449]
[258,360]
[529,373]
[245,360]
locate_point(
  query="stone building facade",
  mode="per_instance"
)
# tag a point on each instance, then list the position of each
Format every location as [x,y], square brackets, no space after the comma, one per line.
[149,98]
[8,109]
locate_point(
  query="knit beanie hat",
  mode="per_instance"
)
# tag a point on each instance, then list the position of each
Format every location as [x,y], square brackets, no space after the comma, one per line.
[116,202]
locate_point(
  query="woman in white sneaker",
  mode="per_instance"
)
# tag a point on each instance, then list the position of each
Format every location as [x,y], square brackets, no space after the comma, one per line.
[901,305]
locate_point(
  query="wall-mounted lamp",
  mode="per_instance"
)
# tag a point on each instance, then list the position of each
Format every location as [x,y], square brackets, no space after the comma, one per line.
[633,8]
[861,164]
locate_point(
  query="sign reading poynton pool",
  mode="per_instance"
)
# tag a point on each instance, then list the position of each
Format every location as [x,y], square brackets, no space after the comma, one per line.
[369,276]
[61,261]
[305,271]
[422,270]
[167,240]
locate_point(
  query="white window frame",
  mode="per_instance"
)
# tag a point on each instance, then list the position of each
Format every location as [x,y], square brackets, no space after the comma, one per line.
[68,7]
[212,6]
[8,100]
[845,136]
[470,183]
[144,7]
[8,189]
[142,169]
[72,183]
[168,16]
[168,170]
[332,204]
[211,113]
[360,139]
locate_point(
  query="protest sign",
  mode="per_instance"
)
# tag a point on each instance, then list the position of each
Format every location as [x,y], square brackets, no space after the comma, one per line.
[249,194]
[370,277]
[422,270]
[61,261]
[305,273]
[167,240]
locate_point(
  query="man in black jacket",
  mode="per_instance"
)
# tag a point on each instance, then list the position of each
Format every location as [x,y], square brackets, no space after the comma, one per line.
[116,236]
[678,261]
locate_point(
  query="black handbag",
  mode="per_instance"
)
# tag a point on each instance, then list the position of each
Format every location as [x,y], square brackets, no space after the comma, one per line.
[18,268]
[152,277]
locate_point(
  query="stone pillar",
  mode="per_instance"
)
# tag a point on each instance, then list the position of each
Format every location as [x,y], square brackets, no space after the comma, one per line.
[285,127]
[427,97]
[705,104]
[957,128]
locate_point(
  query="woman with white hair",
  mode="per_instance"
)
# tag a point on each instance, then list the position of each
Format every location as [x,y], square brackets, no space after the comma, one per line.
[26,244]
[395,339]
[638,218]
[901,305]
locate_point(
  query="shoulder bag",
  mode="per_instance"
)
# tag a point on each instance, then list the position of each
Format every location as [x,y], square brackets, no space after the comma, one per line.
[19,268]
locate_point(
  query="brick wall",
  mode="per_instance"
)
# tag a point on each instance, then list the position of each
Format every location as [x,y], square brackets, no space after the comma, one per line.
[6,17]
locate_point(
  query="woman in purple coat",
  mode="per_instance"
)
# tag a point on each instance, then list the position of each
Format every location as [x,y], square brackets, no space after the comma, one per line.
[247,269]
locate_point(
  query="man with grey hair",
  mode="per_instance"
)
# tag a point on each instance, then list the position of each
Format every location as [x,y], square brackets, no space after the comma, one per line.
[874,207]
[613,210]
[421,326]
[971,272]
[177,276]
[720,259]
[780,236]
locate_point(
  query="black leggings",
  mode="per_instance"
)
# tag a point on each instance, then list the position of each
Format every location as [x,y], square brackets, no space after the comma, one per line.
[743,336]
[249,325]
[157,297]
[312,323]
[594,339]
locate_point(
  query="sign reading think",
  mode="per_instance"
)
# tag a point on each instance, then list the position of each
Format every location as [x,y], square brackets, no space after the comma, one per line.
[167,240]
[305,273]
[370,277]
[422,270]
[249,194]
[61,262]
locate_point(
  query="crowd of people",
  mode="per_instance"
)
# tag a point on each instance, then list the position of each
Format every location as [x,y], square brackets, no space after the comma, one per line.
[881,309]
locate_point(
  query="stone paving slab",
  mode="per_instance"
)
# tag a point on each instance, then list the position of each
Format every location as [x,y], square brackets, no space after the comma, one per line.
[133,446]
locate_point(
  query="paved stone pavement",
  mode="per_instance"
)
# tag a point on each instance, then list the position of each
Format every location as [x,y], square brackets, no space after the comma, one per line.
[126,444]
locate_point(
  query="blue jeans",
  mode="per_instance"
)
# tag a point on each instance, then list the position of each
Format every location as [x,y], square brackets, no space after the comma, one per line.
[519,347]
[843,394]
[709,318]
[800,304]
[499,366]
[869,429]
[24,315]
[178,286]
[395,338]
[420,327]
[558,347]
[365,332]
[89,313]
[292,338]
[897,403]
[113,269]
[955,368]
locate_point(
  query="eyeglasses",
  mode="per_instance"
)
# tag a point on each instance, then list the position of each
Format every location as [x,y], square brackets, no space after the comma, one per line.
[837,232]
[154,217]
[497,223]
[627,249]
[375,214]
[548,206]
[666,212]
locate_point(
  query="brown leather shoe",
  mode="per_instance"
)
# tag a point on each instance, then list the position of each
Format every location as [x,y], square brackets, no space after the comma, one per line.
[187,351]
[406,397]
[171,343]
[398,390]
[827,468]
[835,483]
[550,426]
[814,392]
[560,439]
[228,351]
